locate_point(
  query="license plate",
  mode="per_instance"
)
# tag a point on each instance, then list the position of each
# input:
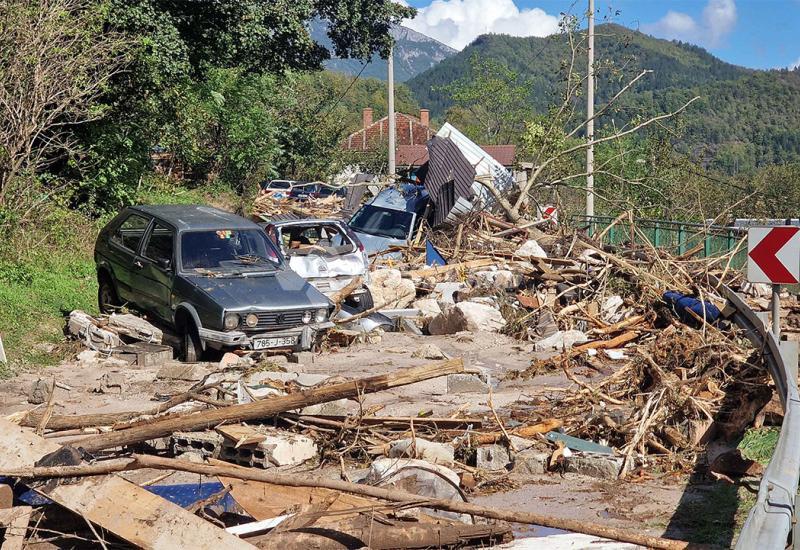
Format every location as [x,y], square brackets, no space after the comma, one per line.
[276,342]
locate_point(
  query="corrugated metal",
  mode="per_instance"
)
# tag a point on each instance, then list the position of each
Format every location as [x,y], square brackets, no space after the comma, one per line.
[483,163]
[450,177]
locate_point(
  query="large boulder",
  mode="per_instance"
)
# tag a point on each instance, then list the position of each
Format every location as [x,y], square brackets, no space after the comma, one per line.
[428,308]
[389,289]
[469,316]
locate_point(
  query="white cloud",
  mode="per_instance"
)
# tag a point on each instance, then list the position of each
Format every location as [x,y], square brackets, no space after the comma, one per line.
[717,21]
[458,22]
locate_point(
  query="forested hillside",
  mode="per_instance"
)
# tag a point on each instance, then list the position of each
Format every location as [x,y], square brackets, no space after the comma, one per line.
[744,119]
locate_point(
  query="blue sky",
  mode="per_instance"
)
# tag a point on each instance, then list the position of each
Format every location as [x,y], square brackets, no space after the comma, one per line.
[761,34]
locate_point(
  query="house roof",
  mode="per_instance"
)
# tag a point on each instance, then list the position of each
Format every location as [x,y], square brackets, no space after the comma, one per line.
[417,155]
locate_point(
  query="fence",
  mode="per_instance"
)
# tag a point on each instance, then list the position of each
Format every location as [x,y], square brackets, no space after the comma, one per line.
[678,238]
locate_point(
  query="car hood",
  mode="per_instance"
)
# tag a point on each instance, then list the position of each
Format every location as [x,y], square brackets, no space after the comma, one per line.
[281,290]
[312,265]
[376,243]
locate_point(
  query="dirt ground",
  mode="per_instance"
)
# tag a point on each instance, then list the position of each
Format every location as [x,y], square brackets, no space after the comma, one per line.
[656,505]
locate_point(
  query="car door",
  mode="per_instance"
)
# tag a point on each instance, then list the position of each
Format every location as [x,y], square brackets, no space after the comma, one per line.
[155,269]
[123,248]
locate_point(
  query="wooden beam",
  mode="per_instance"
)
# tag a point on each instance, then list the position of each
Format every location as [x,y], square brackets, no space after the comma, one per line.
[267,408]
[15,520]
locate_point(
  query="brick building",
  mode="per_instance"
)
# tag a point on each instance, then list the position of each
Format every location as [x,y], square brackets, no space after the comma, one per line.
[409,130]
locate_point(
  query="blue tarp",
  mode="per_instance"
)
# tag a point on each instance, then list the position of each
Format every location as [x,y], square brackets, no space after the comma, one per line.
[681,303]
[432,256]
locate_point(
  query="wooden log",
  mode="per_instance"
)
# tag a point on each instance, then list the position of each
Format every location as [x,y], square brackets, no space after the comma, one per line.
[402,422]
[442,269]
[394,494]
[616,327]
[269,407]
[59,422]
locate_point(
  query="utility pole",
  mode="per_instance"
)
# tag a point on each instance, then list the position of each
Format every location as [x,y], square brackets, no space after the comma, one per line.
[590,119]
[391,113]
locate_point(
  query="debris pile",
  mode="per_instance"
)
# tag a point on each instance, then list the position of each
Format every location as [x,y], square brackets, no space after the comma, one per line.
[266,207]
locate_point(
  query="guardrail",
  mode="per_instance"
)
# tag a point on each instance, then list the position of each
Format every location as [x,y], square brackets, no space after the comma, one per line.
[771,521]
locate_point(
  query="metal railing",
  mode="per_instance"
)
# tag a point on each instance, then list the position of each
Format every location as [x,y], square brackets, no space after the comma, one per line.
[678,238]
[771,521]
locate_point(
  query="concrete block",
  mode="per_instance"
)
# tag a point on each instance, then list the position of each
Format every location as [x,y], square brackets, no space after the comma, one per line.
[466,383]
[182,371]
[530,461]
[492,457]
[143,354]
[430,451]
[302,357]
[202,444]
[599,466]
[340,407]
[278,449]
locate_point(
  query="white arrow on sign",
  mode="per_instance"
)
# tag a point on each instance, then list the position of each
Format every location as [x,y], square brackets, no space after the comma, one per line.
[773,254]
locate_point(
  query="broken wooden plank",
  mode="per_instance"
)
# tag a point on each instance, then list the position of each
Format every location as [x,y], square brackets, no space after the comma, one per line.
[401,421]
[442,269]
[241,434]
[130,512]
[269,407]
[15,520]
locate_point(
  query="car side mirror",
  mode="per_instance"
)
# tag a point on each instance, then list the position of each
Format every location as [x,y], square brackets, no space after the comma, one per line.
[164,263]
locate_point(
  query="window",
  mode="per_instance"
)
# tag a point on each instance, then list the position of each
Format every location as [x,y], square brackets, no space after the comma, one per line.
[383,222]
[130,233]
[159,246]
[228,249]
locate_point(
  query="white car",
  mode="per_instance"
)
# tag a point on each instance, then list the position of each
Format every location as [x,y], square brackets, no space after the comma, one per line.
[327,254]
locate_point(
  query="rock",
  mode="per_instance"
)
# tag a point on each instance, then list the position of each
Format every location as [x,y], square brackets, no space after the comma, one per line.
[228,360]
[428,351]
[466,383]
[445,291]
[530,461]
[430,451]
[428,307]
[468,316]
[182,371]
[40,391]
[492,457]
[546,326]
[111,382]
[520,443]
[560,341]
[497,278]
[389,289]
[421,478]
[408,325]
[87,357]
[530,249]
[599,466]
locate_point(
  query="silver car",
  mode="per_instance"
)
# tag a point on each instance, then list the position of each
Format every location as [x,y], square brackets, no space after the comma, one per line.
[327,254]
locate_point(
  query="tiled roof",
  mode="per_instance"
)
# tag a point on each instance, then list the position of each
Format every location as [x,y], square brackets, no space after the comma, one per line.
[417,155]
[409,130]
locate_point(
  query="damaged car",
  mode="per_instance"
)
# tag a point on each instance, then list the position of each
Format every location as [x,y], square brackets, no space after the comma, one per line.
[209,275]
[327,254]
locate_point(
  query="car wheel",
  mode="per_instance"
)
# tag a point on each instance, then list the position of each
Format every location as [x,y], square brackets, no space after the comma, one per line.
[107,300]
[191,349]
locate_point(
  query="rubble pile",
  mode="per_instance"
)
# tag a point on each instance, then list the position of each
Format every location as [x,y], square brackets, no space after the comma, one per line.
[652,372]
[266,207]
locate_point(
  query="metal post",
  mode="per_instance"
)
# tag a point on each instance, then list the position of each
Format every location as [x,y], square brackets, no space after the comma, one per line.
[392,168]
[776,311]
[590,117]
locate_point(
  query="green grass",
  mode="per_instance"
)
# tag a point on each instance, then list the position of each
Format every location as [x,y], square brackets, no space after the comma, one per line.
[759,443]
[47,270]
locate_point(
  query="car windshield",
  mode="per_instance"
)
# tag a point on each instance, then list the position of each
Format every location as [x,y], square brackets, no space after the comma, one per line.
[229,250]
[383,222]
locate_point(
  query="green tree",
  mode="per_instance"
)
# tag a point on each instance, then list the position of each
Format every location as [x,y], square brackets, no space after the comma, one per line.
[490,102]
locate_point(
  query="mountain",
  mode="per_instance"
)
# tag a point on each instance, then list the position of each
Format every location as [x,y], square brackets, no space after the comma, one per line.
[745,118]
[413,53]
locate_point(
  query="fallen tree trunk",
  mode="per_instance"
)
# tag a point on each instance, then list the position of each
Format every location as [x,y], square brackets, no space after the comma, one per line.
[268,407]
[60,422]
[393,494]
